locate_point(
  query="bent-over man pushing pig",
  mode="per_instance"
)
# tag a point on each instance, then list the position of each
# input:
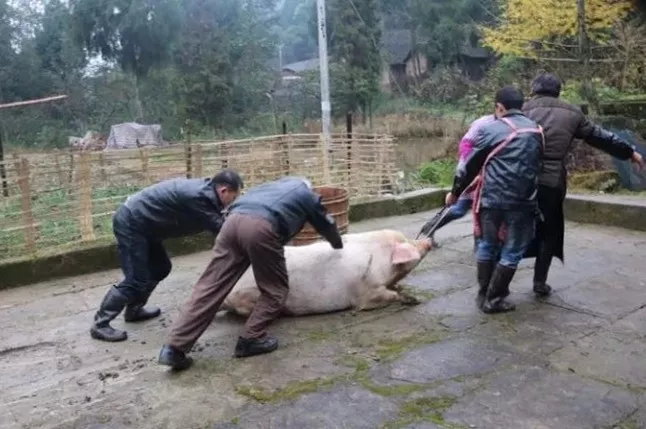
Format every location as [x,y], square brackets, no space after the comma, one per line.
[254,233]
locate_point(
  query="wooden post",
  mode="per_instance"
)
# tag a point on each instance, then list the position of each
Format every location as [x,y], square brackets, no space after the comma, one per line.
[144,155]
[188,154]
[22,169]
[70,177]
[104,177]
[84,182]
[3,172]
[380,165]
[224,155]
[198,161]
[59,170]
[348,127]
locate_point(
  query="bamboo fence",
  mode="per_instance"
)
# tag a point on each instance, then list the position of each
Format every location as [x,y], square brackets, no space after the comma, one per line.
[63,200]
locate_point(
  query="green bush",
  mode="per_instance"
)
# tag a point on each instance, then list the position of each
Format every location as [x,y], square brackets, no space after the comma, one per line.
[438,172]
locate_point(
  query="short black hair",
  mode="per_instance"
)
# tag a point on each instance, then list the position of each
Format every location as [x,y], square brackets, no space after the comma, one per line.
[229,178]
[510,97]
[546,84]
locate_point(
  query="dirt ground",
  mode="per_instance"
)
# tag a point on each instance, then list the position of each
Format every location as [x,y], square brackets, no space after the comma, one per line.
[573,361]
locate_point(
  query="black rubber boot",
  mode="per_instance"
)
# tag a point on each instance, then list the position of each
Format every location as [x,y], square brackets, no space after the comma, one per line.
[255,346]
[175,358]
[499,290]
[136,312]
[541,269]
[485,271]
[112,304]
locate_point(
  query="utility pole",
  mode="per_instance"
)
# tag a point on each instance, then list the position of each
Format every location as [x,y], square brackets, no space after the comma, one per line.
[325,84]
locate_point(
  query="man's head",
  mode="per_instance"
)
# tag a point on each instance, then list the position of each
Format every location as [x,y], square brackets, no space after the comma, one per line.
[508,98]
[546,84]
[227,184]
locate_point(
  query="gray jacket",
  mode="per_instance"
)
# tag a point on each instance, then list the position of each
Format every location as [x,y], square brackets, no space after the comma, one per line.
[562,123]
[511,175]
[175,208]
[288,203]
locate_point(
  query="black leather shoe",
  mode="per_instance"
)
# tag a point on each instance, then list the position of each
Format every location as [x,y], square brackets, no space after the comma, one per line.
[138,313]
[175,358]
[255,346]
[542,290]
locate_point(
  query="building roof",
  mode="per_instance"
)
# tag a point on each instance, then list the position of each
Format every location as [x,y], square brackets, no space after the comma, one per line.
[301,66]
[397,45]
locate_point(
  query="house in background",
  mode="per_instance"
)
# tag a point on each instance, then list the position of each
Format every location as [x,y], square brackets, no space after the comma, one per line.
[401,66]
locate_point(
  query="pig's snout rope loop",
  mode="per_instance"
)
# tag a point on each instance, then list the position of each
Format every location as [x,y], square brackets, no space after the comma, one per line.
[431,226]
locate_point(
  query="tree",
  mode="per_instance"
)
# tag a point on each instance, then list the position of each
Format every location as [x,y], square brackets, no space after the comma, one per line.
[355,51]
[222,61]
[531,26]
[137,34]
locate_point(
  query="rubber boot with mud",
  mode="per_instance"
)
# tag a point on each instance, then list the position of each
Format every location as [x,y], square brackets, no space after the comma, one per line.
[499,290]
[175,358]
[113,303]
[136,312]
[485,271]
[255,346]
[541,268]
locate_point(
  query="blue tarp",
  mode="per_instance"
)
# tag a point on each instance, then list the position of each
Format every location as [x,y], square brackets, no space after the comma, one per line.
[630,176]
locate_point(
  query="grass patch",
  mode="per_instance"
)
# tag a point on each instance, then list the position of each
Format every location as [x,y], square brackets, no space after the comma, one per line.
[428,409]
[391,349]
[56,215]
[291,391]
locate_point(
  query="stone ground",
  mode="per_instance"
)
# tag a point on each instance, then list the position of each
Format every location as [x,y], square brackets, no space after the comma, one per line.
[576,360]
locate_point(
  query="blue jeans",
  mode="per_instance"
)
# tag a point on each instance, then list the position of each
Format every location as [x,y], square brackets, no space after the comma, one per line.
[520,232]
[144,262]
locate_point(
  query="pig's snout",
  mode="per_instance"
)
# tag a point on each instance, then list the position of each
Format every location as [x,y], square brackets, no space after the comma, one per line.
[423,246]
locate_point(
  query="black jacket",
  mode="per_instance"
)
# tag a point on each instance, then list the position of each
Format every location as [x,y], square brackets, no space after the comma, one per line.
[175,208]
[288,203]
[562,123]
[511,176]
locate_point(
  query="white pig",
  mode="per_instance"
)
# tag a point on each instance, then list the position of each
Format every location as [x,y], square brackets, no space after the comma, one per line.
[362,276]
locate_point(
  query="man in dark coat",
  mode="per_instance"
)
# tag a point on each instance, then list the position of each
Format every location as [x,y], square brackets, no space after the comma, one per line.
[171,208]
[505,161]
[562,123]
[257,227]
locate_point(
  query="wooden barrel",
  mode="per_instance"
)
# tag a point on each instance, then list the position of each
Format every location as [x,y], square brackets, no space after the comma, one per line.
[337,203]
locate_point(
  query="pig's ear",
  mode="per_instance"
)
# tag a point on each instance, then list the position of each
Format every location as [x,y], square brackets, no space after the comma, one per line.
[405,253]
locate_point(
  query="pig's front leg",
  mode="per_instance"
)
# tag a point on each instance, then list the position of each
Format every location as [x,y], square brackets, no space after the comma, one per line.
[378,298]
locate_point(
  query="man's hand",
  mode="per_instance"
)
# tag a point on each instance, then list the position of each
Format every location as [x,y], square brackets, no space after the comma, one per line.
[637,159]
[450,199]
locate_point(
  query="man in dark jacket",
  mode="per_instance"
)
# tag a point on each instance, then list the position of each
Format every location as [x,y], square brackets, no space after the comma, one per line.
[562,123]
[171,208]
[506,162]
[257,227]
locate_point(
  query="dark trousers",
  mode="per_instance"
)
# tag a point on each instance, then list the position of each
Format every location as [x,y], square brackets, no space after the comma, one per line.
[144,262]
[519,231]
[244,240]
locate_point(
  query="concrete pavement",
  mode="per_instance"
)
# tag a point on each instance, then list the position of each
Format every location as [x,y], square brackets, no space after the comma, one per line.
[576,360]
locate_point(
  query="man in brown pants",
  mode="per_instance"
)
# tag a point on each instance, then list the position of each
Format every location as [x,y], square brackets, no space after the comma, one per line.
[259,224]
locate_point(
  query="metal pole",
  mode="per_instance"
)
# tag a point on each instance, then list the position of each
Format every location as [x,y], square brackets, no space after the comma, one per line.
[325,82]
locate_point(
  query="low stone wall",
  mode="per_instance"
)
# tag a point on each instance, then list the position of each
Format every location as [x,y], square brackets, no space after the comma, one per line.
[104,256]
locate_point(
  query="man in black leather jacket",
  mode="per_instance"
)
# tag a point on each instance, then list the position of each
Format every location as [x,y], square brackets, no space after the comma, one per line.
[171,208]
[507,158]
[562,123]
[257,227]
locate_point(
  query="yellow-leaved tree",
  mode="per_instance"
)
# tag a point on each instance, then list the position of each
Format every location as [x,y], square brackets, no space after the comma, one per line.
[526,21]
